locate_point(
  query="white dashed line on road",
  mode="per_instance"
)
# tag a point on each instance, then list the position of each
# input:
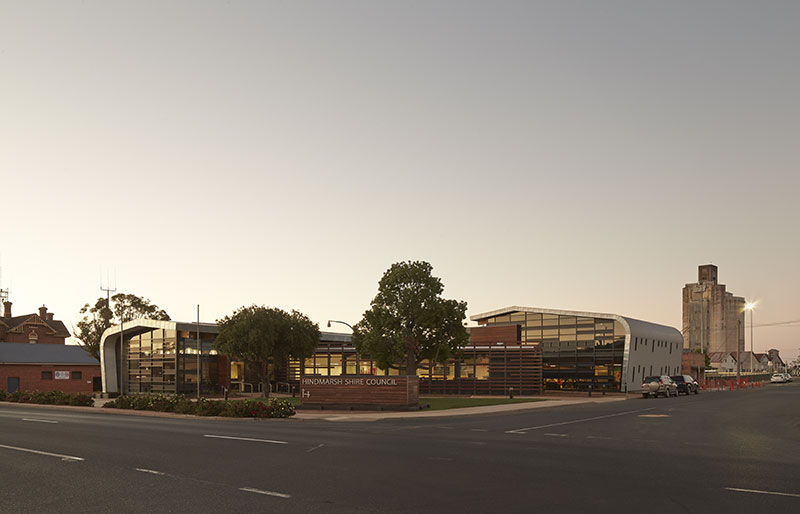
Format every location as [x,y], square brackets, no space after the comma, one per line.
[39,452]
[523,430]
[151,471]
[756,491]
[554,435]
[39,420]
[315,448]
[245,439]
[267,493]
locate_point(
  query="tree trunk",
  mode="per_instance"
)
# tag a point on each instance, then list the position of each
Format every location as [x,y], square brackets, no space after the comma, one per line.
[411,362]
[265,380]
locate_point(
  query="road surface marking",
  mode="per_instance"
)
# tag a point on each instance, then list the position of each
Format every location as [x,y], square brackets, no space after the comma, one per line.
[39,420]
[245,439]
[756,491]
[268,493]
[654,415]
[314,448]
[523,430]
[38,452]
[151,471]
[554,435]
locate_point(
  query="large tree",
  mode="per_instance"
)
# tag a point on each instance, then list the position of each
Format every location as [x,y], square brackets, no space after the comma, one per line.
[261,336]
[98,317]
[409,321]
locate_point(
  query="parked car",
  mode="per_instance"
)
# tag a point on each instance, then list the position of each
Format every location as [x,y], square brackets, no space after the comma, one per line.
[659,386]
[788,377]
[686,384]
[777,378]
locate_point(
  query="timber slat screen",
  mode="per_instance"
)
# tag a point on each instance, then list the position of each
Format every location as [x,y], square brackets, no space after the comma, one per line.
[489,370]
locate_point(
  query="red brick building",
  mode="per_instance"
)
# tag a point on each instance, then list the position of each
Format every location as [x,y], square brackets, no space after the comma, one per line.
[34,356]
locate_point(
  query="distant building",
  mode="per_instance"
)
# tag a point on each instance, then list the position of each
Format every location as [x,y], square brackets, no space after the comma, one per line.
[34,356]
[776,364]
[713,318]
[722,361]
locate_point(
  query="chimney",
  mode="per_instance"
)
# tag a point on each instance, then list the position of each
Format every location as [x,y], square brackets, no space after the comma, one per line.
[6,309]
[49,316]
[43,312]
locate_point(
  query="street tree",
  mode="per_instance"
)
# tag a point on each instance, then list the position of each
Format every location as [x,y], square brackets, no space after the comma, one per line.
[261,336]
[98,317]
[409,321]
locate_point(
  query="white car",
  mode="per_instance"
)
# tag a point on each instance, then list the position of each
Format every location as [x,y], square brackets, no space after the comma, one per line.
[788,377]
[777,378]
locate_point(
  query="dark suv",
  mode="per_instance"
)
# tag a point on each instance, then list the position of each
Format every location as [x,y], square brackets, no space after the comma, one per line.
[686,384]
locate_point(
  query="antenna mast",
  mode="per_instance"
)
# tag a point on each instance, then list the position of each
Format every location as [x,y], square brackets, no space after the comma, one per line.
[3,292]
[108,290]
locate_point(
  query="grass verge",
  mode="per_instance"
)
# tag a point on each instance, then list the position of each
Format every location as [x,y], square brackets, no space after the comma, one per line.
[442,403]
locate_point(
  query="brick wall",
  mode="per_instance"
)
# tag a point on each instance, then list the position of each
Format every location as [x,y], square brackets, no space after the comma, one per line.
[30,377]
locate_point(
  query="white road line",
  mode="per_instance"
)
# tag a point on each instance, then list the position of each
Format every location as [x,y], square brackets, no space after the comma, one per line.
[38,452]
[523,430]
[756,491]
[245,439]
[151,471]
[268,493]
[39,420]
[314,448]
[555,435]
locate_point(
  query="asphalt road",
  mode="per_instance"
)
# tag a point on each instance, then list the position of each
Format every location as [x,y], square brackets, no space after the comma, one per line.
[725,452]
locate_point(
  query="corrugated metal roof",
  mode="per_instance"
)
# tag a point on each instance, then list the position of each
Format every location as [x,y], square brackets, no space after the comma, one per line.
[24,353]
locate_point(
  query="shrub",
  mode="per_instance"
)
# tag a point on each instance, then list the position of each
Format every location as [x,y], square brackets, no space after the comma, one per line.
[48,398]
[249,408]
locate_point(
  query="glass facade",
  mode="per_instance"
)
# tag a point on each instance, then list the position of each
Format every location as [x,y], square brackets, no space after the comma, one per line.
[165,361]
[479,370]
[576,352]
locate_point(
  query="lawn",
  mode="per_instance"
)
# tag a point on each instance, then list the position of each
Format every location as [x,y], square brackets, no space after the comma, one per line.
[442,403]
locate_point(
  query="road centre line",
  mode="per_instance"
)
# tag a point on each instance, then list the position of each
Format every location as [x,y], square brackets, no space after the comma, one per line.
[756,491]
[39,452]
[523,430]
[39,420]
[268,493]
[245,439]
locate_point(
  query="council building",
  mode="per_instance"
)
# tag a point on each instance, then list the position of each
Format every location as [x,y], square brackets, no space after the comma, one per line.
[519,350]
[588,349]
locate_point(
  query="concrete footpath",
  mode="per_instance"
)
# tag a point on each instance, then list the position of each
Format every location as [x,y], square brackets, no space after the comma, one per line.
[339,415]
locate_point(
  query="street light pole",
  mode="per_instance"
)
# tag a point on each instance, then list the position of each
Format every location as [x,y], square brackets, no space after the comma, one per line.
[738,362]
[342,322]
[749,306]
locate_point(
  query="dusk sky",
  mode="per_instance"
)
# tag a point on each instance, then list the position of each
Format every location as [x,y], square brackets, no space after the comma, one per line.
[581,155]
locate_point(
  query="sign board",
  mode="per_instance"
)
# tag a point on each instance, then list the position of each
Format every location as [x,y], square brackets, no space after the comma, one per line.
[61,375]
[360,390]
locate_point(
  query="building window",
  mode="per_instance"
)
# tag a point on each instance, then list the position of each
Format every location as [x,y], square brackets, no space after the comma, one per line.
[47,375]
[76,375]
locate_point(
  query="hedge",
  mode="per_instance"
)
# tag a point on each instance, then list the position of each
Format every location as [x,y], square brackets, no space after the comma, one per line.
[250,408]
[48,398]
